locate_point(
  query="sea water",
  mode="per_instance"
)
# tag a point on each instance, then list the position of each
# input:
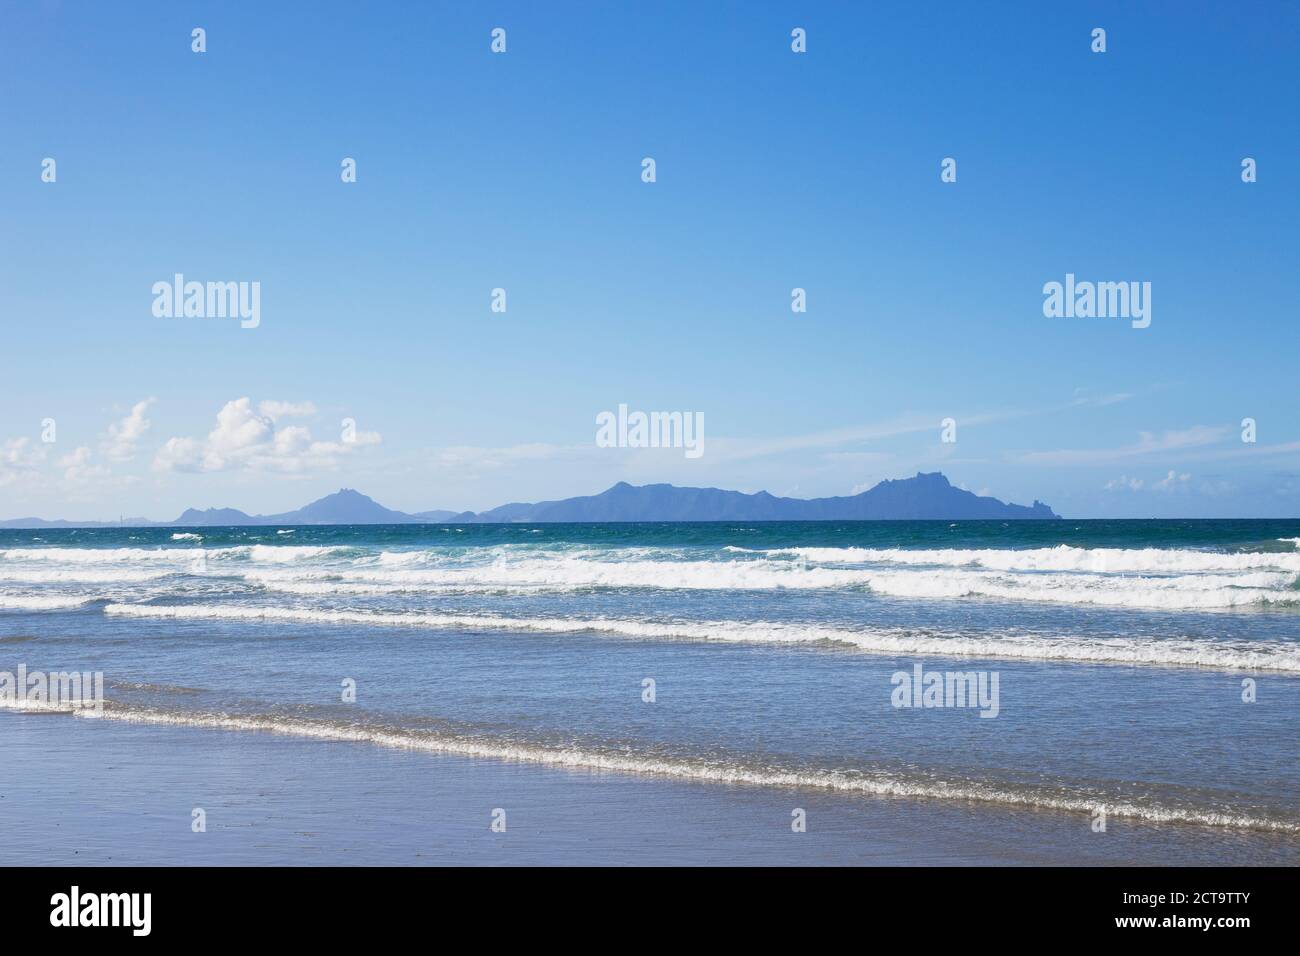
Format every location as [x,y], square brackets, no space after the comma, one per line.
[1146,671]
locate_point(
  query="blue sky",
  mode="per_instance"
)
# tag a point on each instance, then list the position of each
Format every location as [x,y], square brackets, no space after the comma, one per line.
[522,171]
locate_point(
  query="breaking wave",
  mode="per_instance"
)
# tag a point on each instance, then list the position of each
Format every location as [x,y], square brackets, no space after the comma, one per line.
[729,772]
[1224,655]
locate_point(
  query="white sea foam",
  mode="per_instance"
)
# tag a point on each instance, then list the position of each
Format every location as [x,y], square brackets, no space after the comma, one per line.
[42,602]
[710,771]
[43,707]
[115,556]
[401,558]
[78,575]
[1190,652]
[186,536]
[1204,592]
[330,584]
[271,554]
[1120,578]
[283,553]
[571,573]
[1060,558]
[567,573]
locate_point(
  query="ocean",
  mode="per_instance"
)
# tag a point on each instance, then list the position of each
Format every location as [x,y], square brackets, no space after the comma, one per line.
[1045,691]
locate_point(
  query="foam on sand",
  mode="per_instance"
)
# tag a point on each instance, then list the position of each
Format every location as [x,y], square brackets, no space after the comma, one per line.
[737,772]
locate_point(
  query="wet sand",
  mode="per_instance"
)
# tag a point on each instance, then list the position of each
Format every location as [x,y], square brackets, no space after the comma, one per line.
[95,792]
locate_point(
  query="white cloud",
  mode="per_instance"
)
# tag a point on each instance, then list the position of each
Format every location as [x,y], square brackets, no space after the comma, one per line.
[19,458]
[835,440]
[123,435]
[244,439]
[240,432]
[179,454]
[1171,480]
[1124,483]
[1147,444]
[78,470]
[19,453]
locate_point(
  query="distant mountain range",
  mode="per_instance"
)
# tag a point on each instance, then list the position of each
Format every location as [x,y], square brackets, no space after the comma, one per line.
[927,496]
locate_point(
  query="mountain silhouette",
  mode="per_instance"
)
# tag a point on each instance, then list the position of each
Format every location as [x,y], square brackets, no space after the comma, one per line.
[927,496]
[345,506]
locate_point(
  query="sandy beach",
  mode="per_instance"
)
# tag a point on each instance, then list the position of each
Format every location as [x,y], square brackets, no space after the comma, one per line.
[98,792]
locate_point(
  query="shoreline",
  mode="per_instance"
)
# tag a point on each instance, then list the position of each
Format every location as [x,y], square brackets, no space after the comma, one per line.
[123,792]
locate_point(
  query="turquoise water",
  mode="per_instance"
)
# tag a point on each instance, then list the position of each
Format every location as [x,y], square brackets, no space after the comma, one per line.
[1119,651]
[1224,534]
